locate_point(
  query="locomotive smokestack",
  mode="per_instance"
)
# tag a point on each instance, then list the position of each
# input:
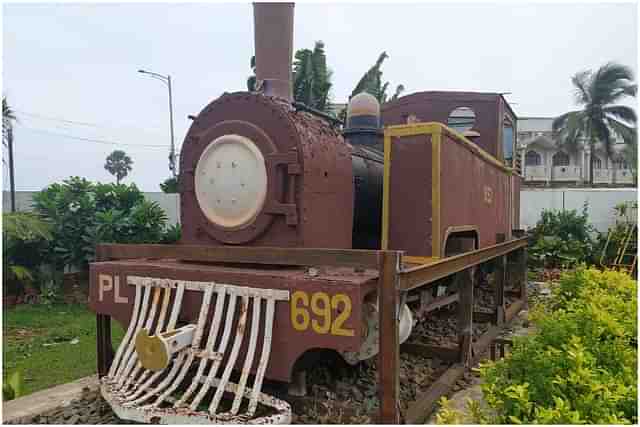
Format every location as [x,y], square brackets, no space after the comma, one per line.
[273,27]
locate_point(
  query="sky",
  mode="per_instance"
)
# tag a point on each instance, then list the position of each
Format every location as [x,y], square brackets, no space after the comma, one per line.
[70,70]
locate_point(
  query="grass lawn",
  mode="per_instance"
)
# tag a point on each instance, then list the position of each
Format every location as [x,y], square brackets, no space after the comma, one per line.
[38,341]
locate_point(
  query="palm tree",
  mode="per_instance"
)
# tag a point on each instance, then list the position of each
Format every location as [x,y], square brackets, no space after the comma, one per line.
[118,164]
[371,82]
[599,117]
[251,81]
[311,77]
[8,118]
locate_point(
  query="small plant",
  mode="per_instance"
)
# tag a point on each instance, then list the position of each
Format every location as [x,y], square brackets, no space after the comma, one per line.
[562,238]
[172,234]
[13,386]
[24,237]
[446,414]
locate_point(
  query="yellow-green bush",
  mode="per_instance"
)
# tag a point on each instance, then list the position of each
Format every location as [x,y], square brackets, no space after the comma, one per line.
[581,367]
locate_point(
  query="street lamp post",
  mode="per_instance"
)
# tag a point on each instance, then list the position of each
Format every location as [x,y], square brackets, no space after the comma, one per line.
[167,80]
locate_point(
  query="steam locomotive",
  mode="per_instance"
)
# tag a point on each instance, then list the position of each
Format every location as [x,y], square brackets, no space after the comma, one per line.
[257,169]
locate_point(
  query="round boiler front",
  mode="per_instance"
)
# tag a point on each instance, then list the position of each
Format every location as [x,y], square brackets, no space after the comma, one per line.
[231,181]
[254,171]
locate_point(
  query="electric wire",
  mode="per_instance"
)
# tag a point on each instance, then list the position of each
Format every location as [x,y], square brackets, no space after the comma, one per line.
[76,122]
[93,140]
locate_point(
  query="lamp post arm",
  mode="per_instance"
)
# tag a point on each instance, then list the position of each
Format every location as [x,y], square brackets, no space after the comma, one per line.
[151,73]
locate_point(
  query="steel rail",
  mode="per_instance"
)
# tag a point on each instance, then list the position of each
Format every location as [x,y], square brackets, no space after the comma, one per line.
[415,277]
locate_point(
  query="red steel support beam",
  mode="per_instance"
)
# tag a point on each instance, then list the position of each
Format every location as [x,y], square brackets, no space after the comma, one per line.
[103,341]
[242,255]
[523,276]
[500,279]
[466,284]
[416,277]
[389,354]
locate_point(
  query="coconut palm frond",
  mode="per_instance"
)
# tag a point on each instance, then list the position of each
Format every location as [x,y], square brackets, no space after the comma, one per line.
[621,112]
[609,82]
[370,82]
[602,133]
[581,82]
[569,130]
[398,93]
[628,134]
[8,118]
[630,90]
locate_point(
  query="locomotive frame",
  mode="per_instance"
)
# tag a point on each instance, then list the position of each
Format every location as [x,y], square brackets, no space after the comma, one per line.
[394,278]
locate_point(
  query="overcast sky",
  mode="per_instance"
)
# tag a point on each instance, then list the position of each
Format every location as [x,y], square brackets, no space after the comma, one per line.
[69,70]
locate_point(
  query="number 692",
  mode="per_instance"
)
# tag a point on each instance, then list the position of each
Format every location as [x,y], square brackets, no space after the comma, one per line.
[317,311]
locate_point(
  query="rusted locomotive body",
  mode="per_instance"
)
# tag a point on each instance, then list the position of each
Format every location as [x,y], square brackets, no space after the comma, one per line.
[477,192]
[258,170]
[276,173]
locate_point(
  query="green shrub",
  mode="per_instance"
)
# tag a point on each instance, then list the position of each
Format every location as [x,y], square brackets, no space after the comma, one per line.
[562,238]
[172,234]
[581,367]
[84,214]
[12,388]
[25,237]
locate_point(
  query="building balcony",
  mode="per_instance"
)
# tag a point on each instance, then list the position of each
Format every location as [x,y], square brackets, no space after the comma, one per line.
[536,173]
[603,176]
[566,173]
[623,176]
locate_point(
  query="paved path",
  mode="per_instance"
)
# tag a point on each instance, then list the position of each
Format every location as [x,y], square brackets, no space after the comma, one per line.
[45,400]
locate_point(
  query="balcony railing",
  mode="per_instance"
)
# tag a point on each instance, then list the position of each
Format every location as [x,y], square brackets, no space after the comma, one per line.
[565,173]
[603,176]
[623,176]
[536,173]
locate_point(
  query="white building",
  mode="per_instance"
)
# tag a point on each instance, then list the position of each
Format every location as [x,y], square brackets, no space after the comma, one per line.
[544,163]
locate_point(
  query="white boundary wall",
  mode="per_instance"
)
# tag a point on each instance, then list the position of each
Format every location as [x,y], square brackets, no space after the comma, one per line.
[532,202]
[169,202]
[601,202]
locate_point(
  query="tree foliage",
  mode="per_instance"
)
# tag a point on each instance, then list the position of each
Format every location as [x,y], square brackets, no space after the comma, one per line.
[599,117]
[83,214]
[170,185]
[312,80]
[118,164]
[371,82]
[251,80]
[311,77]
